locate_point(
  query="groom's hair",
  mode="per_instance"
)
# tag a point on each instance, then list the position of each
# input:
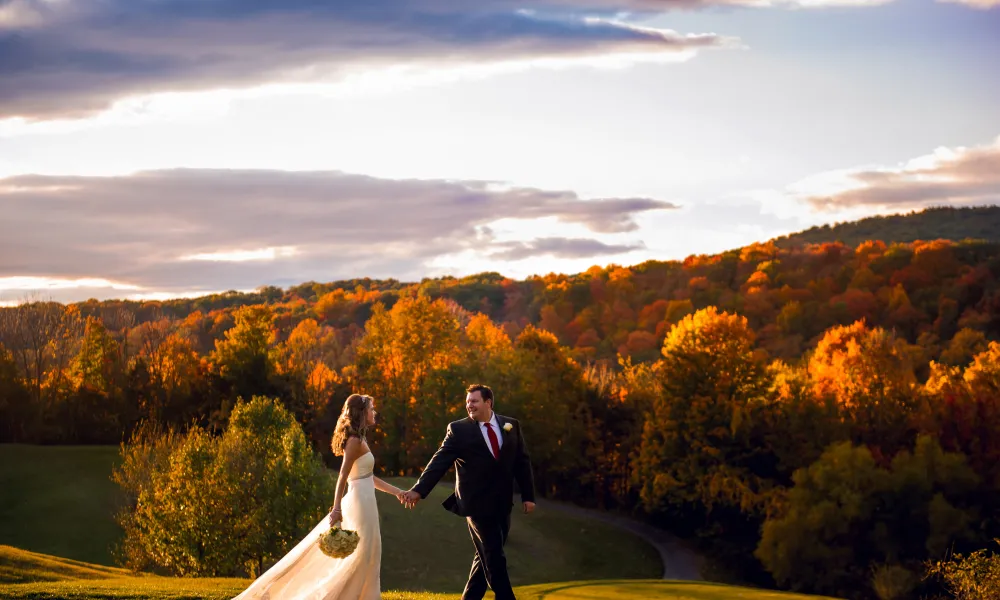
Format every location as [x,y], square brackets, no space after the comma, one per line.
[484,391]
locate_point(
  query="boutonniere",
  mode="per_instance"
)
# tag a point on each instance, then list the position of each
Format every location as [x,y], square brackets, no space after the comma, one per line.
[507,427]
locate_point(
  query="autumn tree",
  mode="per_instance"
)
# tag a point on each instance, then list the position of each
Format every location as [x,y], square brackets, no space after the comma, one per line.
[18,416]
[307,361]
[178,381]
[406,359]
[641,346]
[618,401]
[901,314]
[325,392]
[846,514]
[41,337]
[869,374]
[489,353]
[95,411]
[963,412]
[95,364]
[335,308]
[552,321]
[801,425]
[963,347]
[702,443]
[975,576]
[983,375]
[547,398]
[246,359]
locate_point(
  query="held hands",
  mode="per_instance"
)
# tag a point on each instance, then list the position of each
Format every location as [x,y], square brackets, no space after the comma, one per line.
[335,517]
[409,498]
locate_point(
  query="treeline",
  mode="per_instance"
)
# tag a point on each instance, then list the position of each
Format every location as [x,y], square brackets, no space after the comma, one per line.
[825,417]
[944,222]
[924,291]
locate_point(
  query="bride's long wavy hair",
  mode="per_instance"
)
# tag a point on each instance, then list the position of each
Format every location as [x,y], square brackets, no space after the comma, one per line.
[352,422]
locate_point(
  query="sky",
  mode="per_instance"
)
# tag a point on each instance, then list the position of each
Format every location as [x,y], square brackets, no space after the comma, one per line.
[152,149]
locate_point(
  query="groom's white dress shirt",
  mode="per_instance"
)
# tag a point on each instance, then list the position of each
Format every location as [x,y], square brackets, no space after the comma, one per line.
[496,431]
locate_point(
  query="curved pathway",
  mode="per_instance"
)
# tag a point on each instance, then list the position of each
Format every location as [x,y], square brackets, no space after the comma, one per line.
[679,561]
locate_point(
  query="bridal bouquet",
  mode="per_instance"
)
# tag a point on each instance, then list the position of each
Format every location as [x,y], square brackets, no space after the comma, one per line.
[339,543]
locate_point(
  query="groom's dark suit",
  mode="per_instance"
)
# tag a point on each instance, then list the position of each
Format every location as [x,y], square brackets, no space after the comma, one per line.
[484,490]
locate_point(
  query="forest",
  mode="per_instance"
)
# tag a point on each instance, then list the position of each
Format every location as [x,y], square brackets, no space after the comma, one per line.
[822,416]
[942,222]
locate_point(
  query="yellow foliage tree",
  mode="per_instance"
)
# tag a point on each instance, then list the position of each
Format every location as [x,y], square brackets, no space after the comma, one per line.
[246,359]
[703,441]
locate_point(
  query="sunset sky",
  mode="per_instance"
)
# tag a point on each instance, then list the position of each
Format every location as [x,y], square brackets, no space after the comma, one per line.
[150,149]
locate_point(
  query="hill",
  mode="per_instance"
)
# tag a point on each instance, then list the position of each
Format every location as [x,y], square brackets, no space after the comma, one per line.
[32,576]
[59,500]
[941,223]
[947,281]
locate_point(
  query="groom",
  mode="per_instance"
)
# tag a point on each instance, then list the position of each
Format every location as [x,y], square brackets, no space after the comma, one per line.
[488,453]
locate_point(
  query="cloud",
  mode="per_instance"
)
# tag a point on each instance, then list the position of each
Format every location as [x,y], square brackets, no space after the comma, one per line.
[66,59]
[980,4]
[561,248]
[172,230]
[955,176]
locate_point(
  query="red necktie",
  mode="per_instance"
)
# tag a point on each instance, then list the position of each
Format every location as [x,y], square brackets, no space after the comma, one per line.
[493,441]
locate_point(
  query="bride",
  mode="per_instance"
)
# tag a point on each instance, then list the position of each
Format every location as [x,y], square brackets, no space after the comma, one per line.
[305,573]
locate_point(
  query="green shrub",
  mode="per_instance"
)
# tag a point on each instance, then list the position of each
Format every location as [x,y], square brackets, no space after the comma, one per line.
[218,506]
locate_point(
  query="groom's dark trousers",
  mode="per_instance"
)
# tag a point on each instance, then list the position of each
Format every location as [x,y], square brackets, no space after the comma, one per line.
[489,567]
[484,495]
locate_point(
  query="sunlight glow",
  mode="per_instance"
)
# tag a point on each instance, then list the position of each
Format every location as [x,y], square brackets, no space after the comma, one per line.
[503,231]
[164,296]
[28,283]
[271,253]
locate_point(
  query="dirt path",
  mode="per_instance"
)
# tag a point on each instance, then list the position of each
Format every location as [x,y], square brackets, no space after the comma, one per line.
[679,561]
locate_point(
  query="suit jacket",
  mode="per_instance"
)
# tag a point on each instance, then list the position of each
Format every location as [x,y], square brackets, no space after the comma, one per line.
[484,486]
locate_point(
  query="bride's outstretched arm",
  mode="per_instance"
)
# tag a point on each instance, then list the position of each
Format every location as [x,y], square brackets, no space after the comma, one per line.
[384,486]
[352,451]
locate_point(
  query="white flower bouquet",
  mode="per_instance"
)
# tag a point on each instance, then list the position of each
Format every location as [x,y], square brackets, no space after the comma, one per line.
[339,543]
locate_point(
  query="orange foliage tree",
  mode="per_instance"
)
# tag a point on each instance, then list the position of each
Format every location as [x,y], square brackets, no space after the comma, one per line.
[406,359]
[868,372]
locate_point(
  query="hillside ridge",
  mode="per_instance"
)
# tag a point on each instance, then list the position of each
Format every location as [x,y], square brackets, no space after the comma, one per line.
[936,223]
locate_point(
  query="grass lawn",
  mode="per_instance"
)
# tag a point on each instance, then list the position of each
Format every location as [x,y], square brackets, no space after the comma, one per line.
[51,578]
[428,548]
[59,500]
[652,590]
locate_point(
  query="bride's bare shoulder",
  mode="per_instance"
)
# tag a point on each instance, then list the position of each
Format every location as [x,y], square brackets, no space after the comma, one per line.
[355,445]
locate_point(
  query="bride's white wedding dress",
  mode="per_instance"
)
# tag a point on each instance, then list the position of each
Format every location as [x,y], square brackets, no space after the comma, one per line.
[305,573]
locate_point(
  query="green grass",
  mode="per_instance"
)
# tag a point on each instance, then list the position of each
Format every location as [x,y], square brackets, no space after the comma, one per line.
[428,548]
[59,500]
[51,578]
[652,590]
[23,566]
